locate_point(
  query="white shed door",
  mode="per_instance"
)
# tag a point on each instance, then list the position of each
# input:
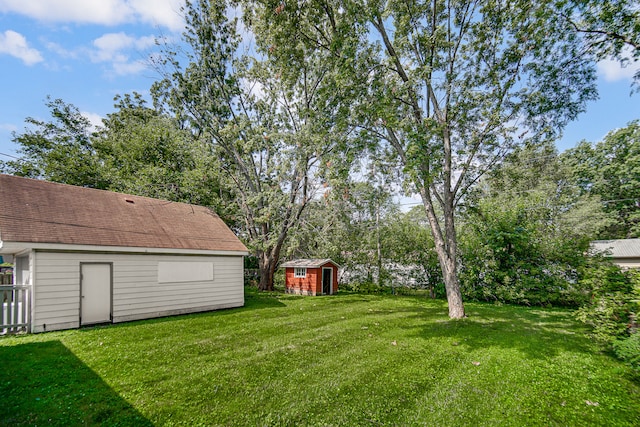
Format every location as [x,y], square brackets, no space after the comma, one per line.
[95,293]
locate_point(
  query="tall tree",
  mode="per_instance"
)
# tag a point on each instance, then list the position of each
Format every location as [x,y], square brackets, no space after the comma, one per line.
[451,87]
[272,128]
[144,152]
[59,150]
[610,170]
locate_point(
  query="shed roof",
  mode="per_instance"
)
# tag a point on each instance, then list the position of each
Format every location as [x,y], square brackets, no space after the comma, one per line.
[307,263]
[34,211]
[621,248]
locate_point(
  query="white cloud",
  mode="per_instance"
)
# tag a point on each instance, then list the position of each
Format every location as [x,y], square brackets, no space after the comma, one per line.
[95,119]
[115,42]
[60,50]
[106,12]
[8,127]
[15,44]
[128,68]
[110,47]
[164,13]
[612,71]
[116,48]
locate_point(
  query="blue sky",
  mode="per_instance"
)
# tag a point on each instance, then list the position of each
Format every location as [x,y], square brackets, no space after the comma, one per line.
[82,51]
[87,51]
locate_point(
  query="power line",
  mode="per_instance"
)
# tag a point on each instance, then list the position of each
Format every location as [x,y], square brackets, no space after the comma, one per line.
[601,201]
[618,200]
[9,155]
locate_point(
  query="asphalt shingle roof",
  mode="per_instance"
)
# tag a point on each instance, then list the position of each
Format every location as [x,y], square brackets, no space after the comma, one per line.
[621,248]
[306,263]
[45,212]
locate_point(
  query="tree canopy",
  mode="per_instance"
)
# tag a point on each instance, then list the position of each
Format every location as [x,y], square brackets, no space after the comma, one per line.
[451,87]
[610,170]
[137,150]
[59,150]
[609,29]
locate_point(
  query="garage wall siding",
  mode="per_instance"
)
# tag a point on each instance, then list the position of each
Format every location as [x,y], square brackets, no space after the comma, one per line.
[136,291]
[627,262]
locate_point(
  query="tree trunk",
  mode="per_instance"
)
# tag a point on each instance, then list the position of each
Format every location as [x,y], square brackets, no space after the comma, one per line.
[451,283]
[378,247]
[267,266]
[446,251]
[449,266]
[452,286]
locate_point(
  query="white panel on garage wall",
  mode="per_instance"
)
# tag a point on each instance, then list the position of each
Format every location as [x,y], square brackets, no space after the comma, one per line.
[184,271]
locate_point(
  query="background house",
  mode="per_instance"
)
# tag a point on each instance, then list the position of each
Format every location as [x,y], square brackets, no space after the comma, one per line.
[311,276]
[623,252]
[87,256]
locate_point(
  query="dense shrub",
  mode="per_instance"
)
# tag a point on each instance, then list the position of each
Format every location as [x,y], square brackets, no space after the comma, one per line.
[628,349]
[610,308]
[518,251]
[364,287]
[613,308]
[525,230]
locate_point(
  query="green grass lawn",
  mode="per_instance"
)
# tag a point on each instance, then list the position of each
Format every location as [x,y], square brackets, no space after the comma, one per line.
[343,360]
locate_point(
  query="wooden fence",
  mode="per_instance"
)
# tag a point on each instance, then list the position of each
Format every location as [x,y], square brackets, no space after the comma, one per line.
[14,310]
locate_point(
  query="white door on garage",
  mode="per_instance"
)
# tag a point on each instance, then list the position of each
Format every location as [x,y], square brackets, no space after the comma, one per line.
[95,293]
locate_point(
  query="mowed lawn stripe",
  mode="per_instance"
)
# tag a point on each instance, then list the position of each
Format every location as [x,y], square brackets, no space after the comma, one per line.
[347,359]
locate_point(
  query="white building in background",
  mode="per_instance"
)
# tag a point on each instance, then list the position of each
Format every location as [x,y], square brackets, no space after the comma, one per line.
[623,252]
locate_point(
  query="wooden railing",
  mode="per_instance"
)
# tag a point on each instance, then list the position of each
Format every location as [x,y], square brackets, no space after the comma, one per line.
[14,310]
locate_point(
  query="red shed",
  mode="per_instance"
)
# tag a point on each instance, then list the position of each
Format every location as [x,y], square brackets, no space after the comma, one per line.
[311,277]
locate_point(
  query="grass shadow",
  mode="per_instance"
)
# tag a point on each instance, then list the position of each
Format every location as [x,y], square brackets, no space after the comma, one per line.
[44,383]
[255,299]
[539,334]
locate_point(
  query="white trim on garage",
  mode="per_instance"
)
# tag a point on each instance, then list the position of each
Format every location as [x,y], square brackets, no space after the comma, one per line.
[17,247]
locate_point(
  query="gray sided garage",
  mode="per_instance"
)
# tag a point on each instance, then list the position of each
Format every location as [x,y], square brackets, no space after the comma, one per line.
[89,256]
